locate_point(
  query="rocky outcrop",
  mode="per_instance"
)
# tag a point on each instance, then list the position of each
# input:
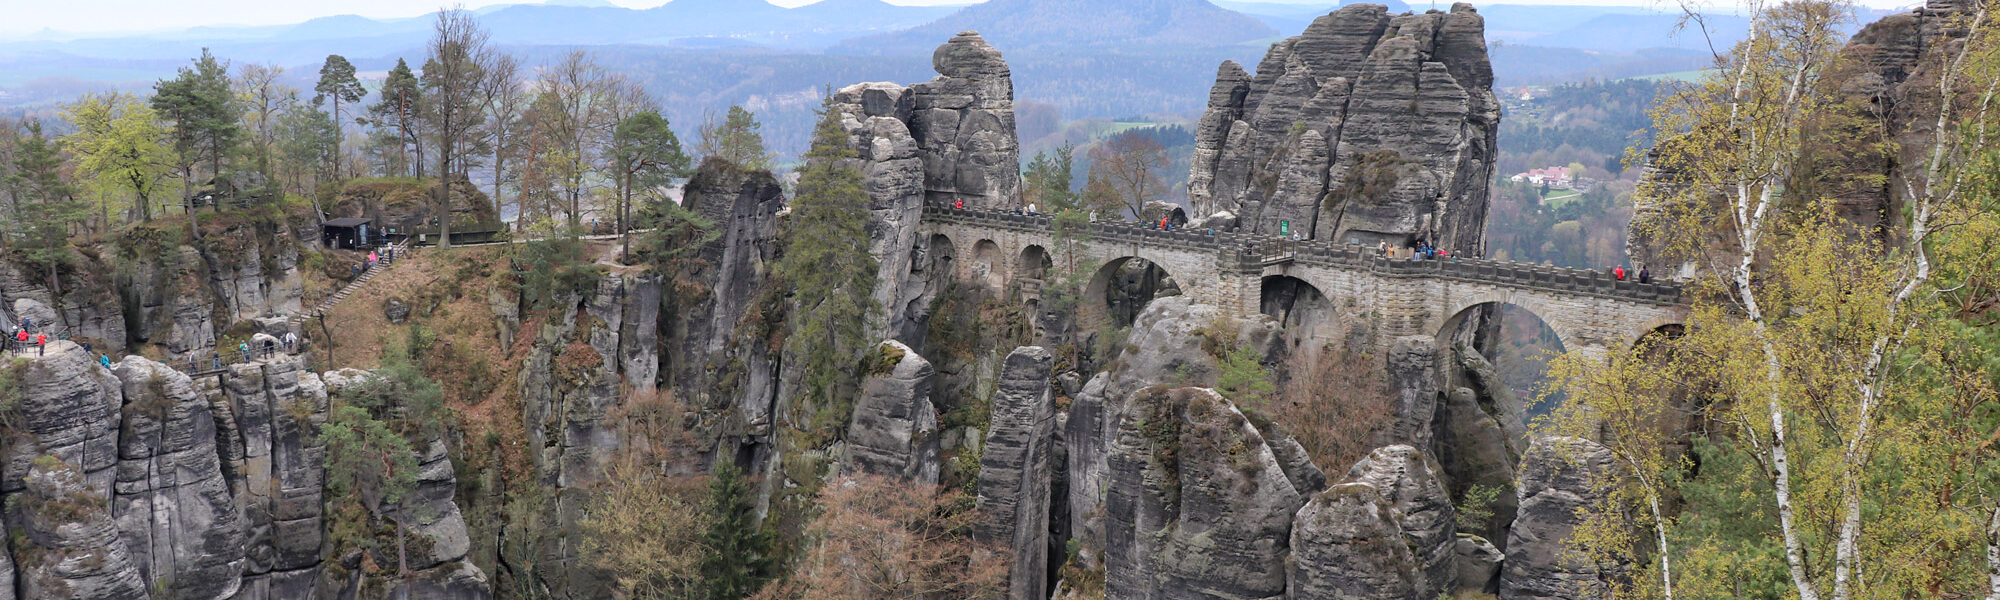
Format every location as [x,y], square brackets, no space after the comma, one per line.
[1478,563]
[174,509]
[1346,543]
[1365,127]
[584,357]
[270,414]
[87,308]
[69,410]
[1014,469]
[1559,476]
[876,117]
[1197,505]
[962,124]
[587,355]
[67,546]
[722,359]
[894,431]
[1479,439]
[172,301]
[432,517]
[1413,378]
[1407,480]
[1166,340]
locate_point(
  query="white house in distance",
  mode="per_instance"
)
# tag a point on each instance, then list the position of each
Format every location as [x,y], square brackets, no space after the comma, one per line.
[1556,177]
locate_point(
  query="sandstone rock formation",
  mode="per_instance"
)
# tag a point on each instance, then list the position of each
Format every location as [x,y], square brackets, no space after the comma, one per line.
[1558,476]
[1014,469]
[270,414]
[1346,544]
[1413,377]
[723,368]
[1367,126]
[1385,532]
[894,431]
[88,307]
[1197,505]
[1165,341]
[432,517]
[69,410]
[1407,480]
[178,517]
[68,547]
[962,123]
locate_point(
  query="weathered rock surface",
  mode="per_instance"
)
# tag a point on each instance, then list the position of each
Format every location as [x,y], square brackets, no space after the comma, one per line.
[1407,480]
[877,117]
[89,308]
[894,431]
[1164,342]
[1367,126]
[1472,451]
[270,414]
[1197,505]
[67,545]
[727,370]
[69,410]
[174,310]
[430,515]
[1346,544]
[1413,378]
[961,123]
[1015,469]
[175,510]
[1478,563]
[1558,476]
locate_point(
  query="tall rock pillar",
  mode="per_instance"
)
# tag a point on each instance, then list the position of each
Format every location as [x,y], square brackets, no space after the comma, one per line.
[1014,469]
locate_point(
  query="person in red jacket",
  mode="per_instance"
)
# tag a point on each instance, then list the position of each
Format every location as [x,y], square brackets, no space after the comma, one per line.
[42,344]
[1618,273]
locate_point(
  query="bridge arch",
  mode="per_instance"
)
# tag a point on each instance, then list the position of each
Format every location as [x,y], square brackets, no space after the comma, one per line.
[1519,343]
[1033,263]
[1302,310]
[1122,287]
[988,265]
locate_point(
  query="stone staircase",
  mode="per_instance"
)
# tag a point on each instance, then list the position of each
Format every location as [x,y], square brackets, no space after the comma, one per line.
[337,297]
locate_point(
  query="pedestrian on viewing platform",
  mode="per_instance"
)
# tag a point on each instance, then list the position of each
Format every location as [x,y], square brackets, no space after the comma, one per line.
[1618,273]
[1645,276]
[41,344]
[958,205]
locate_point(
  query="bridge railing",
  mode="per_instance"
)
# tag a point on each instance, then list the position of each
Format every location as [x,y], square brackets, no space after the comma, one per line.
[1252,250]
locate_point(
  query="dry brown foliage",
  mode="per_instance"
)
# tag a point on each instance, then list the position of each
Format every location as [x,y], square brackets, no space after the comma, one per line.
[888,539]
[1336,404]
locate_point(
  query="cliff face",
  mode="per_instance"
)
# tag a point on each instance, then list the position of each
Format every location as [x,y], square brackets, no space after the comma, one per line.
[1367,126]
[137,482]
[1882,88]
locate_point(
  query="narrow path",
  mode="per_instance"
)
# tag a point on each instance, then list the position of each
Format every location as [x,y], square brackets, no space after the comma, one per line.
[348,290]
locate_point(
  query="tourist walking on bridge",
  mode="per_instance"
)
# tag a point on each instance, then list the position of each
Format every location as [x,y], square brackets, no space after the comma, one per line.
[41,344]
[1618,273]
[1645,275]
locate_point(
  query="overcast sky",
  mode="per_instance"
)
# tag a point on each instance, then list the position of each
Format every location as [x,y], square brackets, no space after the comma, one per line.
[26,16]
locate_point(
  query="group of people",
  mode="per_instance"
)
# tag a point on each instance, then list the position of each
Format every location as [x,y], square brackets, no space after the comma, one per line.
[385,256]
[1422,251]
[1645,275]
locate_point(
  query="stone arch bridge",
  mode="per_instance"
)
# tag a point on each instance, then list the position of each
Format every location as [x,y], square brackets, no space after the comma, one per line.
[1367,296]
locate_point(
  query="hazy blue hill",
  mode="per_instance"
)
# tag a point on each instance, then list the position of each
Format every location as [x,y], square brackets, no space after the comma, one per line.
[350,26]
[1022,24]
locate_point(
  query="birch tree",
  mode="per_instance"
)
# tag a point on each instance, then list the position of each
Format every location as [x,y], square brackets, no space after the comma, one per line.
[1827,355]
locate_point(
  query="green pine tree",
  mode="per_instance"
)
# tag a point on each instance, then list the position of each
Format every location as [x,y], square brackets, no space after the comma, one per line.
[831,274]
[736,564]
[47,205]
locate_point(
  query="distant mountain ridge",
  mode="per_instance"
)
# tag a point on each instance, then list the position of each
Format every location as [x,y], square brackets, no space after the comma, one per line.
[1026,24]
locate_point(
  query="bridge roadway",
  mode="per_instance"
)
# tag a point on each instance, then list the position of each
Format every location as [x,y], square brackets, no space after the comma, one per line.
[1366,296]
